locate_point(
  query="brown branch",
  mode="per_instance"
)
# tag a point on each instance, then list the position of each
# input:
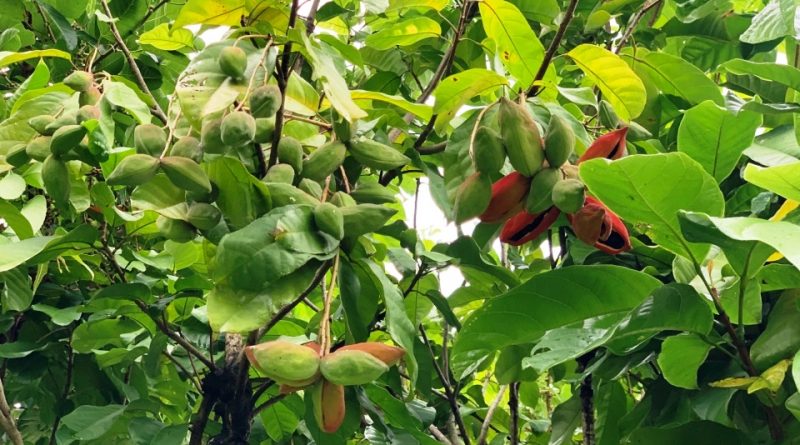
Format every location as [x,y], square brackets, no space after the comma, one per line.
[132,62]
[513,408]
[490,414]
[586,395]
[199,425]
[551,50]
[190,348]
[7,419]
[283,72]
[284,311]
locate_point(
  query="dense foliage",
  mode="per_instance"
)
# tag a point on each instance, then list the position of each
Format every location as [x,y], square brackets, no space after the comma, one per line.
[204,238]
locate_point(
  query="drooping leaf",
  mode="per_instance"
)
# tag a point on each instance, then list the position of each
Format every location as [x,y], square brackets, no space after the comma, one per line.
[680,357]
[453,91]
[516,44]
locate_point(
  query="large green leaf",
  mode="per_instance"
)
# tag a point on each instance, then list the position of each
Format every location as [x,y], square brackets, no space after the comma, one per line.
[516,45]
[162,37]
[15,219]
[781,339]
[15,130]
[333,84]
[649,190]
[453,91]
[783,74]
[211,12]
[776,20]
[242,198]
[404,32]
[547,301]
[619,84]
[89,422]
[680,357]
[695,433]
[9,57]
[675,76]
[17,293]
[715,137]
[121,95]
[781,179]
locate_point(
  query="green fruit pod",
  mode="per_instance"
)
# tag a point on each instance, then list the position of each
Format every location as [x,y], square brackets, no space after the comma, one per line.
[211,137]
[472,197]
[342,199]
[175,229]
[283,173]
[376,155]
[66,138]
[233,61]
[311,187]
[134,170]
[87,113]
[186,174]
[149,139]
[79,80]
[40,124]
[329,219]
[55,176]
[283,194]
[521,137]
[568,195]
[290,151]
[540,196]
[361,219]
[323,161]
[90,96]
[488,154]
[265,101]
[38,148]
[265,129]
[285,362]
[187,147]
[351,367]
[372,193]
[559,142]
[237,129]
[17,156]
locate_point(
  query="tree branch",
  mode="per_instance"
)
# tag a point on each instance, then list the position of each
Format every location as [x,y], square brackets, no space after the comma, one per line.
[489,414]
[320,275]
[283,72]
[586,395]
[633,23]
[7,419]
[513,408]
[551,50]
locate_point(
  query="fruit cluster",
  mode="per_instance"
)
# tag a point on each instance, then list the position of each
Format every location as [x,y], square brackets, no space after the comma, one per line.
[544,184]
[323,376]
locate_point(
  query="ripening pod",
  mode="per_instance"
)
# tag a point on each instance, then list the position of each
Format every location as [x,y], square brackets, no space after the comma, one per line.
[40,124]
[38,148]
[324,161]
[265,101]
[488,154]
[290,151]
[351,367]
[211,137]
[87,113]
[540,196]
[186,174]
[237,129]
[175,229]
[329,219]
[390,355]
[68,118]
[568,195]
[472,197]
[79,80]
[283,173]
[66,138]
[610,146]
[285,362]
[55,176]
[372,193]
[311,187]
[521,137]
[328,401]
[149,139]
[265,129]
[187,147]
[524,226]
[559,141]
[232,61]
[376,155]
[364,218]
[283,194]
[17,156]
[203,216]
[90,96]
[342,199]
[134,170]
[508,197]
[596,225]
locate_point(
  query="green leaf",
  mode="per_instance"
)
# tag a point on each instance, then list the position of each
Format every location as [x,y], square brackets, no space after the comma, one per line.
[37,80]
[776,20]
[17,292]
[650,189]
[161,37]
[121,95]
[516,44]
[279,421]
[453,91]
[211,12]
[695,433]
[783,74]
[395,5]
[10,57]
[547,301]
[60,317]
[89,422]
[421,110]
[242,198]
[781,179]
[680,358]
[619,84]
[715,137]
[15,130]
[333,84]
[796,369]
[96,334]
[675,76]
[781,339]
[405,32]
[16,220]
[566,418]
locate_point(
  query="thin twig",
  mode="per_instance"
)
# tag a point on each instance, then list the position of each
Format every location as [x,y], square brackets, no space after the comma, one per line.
[634,22]
[490,414]
[288,308]
[7,419]
[46,22]
[283,73]
[439,435]
[551,50]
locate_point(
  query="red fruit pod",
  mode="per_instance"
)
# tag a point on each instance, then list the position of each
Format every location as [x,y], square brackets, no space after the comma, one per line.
[610,146]
[508,197]
[597,225]
[390,355]
[524,226]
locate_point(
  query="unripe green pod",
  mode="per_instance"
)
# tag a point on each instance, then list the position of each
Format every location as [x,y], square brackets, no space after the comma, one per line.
[211,137]
[88,112]
[342,199]
[324,161]
[186,174]
[149,139]
[568,195]
[134,170]
[559,142]
[286,194]
[365,218]
[175,229]
[39,148]
[488,154]
[472,197]
[203,216]
[327,400]
[90,96]
[285,362]
[265,101]
[17,156]
[55,176]
[283,173]
[376,155]
[540,196]
[372,193]
[66,138]
[237,129]
[521,137]
[40,124]
[351,367]
[328,219]
[233,61]
[187,147]
[70,118]
[311,187]
[79,80]
[290,151]
[265,129]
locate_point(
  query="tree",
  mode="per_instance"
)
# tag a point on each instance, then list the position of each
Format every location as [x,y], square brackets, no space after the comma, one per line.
[204,236]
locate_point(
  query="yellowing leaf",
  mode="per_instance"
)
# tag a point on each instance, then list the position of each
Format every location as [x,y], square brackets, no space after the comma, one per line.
[210,12]
[616,80]
[403,33]
[784,210]
[437,5]
[162,38]
[772,378]
[333,83]
[455,90]
[9,57]
[516,44]
[421,110]
[734,382]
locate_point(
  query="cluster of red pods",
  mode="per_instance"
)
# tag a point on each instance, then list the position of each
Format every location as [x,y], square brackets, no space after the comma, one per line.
[593,224]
